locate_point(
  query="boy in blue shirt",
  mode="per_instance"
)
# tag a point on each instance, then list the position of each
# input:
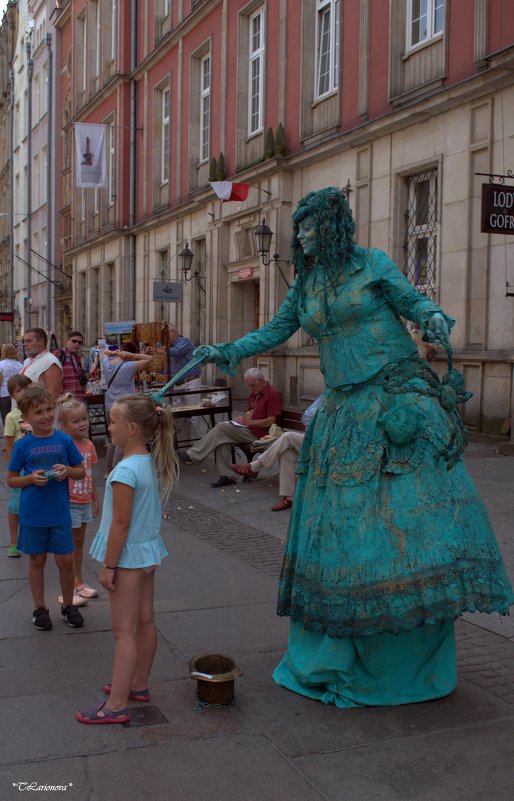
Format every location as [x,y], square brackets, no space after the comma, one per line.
[41,464]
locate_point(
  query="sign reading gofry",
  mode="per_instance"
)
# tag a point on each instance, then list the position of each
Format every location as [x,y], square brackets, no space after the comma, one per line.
[497,209]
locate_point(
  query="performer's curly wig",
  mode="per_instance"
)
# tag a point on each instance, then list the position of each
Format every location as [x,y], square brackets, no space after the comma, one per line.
[335,227]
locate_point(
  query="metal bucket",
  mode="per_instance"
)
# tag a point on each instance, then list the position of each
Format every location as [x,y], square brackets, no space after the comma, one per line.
[215,674]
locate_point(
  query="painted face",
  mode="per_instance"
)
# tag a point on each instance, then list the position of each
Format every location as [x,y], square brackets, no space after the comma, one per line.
[118,427]
[41,418]
[308,236]
[32,344]
[77,424]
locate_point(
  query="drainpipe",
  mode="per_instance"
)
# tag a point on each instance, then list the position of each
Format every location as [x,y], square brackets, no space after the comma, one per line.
[49,227]
[30,70]
[11,199]
[132,186]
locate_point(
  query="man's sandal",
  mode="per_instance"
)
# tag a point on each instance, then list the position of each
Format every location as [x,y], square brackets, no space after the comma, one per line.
[284,503]
[243,470]
[134,695]
[85,591]
[102,714]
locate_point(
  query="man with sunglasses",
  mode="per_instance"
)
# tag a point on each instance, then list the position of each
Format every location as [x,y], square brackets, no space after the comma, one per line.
[74,378]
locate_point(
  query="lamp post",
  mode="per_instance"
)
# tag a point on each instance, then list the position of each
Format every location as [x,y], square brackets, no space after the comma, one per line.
[185,261]
[263,236]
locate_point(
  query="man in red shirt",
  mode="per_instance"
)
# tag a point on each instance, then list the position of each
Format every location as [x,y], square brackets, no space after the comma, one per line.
[74,379]
[263,410]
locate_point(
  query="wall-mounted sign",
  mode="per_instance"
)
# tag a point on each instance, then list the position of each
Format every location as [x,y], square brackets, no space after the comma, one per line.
[497,209]
[167,292]
[121,327]
[6,317]
[246,273]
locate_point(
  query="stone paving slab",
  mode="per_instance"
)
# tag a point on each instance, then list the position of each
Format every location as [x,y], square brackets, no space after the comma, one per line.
[70,774]
[471,763]
[318,728]
[225,630]
[233,768]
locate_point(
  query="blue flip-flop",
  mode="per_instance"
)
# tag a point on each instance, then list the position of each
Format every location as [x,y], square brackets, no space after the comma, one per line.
[92,715]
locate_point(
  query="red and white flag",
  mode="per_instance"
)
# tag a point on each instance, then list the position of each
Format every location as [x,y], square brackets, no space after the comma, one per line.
[228,190]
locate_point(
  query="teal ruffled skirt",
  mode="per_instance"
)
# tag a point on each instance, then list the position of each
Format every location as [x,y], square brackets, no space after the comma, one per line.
[388,543]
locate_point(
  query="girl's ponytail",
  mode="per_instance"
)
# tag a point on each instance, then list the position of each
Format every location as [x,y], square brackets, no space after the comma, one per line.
[163,453]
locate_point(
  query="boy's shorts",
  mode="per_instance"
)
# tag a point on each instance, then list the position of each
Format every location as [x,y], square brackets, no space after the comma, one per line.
[45,539]
[81,513]
[14,501]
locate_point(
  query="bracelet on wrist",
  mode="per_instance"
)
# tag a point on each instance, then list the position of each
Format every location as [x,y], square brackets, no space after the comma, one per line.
[110,568]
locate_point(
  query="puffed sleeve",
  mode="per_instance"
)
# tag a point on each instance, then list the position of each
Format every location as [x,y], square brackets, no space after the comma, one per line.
[278,330]
[401,295]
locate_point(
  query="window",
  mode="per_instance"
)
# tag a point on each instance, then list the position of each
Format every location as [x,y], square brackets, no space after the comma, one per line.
[44,89]
[420,244]
[165,143]
[35,182]
[205,108]
[425,20]
[112,54]
[256,73]
[327,46]
[36,100]
[110,289]
[44,159]
[112,165]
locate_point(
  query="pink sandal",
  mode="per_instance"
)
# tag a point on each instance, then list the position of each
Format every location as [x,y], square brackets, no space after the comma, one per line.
[102,714]
[85,591]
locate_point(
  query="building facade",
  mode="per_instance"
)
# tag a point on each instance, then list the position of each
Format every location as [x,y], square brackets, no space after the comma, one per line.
[8,35]
[401,102]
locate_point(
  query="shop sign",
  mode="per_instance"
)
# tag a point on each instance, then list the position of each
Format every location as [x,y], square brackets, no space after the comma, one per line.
[497,209]
[121,327]
[167,292]
[6,317]
[246,273]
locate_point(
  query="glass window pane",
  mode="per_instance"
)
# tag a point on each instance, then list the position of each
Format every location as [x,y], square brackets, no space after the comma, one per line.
[422,202]
[438,16]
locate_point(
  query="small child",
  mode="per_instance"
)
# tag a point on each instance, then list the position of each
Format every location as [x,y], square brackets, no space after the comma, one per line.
[130,545]
[15,428]
[84,505]
[47,458]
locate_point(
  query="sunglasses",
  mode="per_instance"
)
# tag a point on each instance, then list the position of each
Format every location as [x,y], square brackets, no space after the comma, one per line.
[76,341]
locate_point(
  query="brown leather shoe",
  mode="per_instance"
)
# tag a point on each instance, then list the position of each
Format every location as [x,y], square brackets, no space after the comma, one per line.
[243,470]
[284,503]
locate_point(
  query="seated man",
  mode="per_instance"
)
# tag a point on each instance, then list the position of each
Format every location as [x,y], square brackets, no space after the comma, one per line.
[263,410]
[285,449]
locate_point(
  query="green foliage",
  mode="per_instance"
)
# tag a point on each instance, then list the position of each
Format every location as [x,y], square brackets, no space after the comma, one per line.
[220,170]
[213,168]
[280,141]
[269,145]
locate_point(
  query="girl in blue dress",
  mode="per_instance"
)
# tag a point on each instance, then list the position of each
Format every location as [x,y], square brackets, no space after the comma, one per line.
[129,544]
[388,541]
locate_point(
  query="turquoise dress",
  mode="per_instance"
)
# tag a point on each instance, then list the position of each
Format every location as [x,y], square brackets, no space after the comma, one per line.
[389,540]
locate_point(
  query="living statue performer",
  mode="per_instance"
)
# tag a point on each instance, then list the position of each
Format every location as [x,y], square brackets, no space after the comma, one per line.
[389,541]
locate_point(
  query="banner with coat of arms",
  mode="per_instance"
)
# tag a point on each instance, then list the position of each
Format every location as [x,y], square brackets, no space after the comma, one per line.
[90,155]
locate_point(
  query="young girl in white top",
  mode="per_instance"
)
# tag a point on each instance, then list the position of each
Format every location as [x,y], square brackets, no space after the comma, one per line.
[130,546]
